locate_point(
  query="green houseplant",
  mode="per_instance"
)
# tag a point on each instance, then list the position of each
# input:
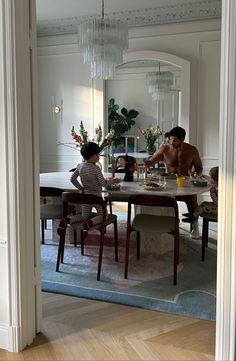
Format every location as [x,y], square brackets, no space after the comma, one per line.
[118,123]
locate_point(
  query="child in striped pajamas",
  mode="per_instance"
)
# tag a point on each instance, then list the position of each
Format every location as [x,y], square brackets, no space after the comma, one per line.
[91,182]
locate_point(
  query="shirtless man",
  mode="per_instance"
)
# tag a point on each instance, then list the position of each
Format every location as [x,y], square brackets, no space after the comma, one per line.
[181,158]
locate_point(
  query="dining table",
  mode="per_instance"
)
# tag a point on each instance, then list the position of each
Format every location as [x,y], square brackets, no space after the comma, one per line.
[137,186]
[62,180]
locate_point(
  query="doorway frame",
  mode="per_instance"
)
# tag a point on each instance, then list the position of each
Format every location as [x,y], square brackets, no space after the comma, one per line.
[226,267]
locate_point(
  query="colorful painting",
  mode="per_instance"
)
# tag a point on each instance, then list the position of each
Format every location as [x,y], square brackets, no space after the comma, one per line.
[127,145]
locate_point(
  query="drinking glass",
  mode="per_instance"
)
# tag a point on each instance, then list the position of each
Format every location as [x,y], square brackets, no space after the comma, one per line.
[180,181]
[142,172]
[162,181]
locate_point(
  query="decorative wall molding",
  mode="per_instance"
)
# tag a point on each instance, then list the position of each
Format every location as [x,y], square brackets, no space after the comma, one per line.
[201,10]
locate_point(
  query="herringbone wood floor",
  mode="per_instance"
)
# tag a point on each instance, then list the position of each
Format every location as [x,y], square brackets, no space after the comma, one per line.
[79,329]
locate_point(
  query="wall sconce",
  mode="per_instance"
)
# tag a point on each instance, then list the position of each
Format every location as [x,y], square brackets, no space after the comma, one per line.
[57,109]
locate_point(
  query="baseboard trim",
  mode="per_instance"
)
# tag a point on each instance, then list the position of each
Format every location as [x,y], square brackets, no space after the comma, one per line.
[4,332]
[10,338]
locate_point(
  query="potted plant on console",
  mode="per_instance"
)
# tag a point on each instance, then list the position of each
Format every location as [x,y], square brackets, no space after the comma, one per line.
[118,124]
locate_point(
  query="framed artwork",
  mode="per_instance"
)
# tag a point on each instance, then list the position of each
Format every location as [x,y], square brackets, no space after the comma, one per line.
[127,145]
[130,144]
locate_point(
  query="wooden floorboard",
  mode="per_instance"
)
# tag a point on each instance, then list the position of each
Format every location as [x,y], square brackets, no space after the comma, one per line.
[77,329]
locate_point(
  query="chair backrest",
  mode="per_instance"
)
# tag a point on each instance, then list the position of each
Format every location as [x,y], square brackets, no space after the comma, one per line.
[82,198]
[50,192]
[122,160]
[152,200]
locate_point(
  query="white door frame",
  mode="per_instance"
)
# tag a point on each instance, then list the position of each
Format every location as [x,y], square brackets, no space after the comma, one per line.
[226,265]
[20,168]
[21,180]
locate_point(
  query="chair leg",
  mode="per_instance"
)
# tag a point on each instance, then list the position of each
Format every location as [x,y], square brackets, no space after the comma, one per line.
[191,227]
[100,255]
[63,247]
[42,230]
[205,225]
[206,244]
[60,247]
[176,234]
[110,206]
[75,237]
[116,240]
[176,258]
[127,254]
[82,242]
[138,244]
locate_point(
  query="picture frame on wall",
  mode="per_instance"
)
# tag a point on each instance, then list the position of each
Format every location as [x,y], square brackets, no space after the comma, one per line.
[130,144]
[127,145]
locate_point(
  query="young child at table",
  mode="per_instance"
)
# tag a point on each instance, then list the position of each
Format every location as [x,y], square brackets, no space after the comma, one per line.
[91,182]
[208,207]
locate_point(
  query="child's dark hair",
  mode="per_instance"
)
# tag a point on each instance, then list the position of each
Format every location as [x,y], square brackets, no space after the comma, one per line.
[214,173]
[89,149]
[178,132]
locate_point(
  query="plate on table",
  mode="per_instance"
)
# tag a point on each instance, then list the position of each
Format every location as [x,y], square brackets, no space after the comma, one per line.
[151,186]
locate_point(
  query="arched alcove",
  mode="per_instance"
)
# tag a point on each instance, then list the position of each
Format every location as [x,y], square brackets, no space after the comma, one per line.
[146,61]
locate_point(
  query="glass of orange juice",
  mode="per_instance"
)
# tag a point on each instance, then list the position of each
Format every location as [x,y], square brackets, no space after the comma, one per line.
[180,180]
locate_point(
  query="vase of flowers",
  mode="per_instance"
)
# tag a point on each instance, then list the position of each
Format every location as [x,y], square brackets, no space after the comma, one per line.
[151,148]
[83,137]
[151,135]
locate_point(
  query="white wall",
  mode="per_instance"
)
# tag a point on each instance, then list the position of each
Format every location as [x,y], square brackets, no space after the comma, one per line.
[63,78]
[62,73]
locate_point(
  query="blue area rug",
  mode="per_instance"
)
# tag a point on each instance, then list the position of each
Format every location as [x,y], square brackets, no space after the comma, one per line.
[149,283]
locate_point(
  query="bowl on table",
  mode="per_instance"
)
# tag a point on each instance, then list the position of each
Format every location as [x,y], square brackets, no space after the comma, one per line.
[113,187]
[199,183]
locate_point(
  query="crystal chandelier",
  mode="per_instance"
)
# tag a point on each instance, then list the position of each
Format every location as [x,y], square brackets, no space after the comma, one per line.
[159,83]
[103,42]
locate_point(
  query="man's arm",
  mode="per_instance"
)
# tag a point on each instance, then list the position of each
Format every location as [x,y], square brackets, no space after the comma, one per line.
[197,163]
[156,157]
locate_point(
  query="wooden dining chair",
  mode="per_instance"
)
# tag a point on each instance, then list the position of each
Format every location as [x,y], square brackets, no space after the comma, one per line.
[50,210]
[154,224]
[82,198]
[206,218]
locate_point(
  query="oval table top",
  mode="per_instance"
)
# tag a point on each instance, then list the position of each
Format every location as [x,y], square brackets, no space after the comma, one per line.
[62,180]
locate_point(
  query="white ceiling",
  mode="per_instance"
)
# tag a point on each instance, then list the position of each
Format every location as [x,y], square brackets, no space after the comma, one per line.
[55,17]
[54,9]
